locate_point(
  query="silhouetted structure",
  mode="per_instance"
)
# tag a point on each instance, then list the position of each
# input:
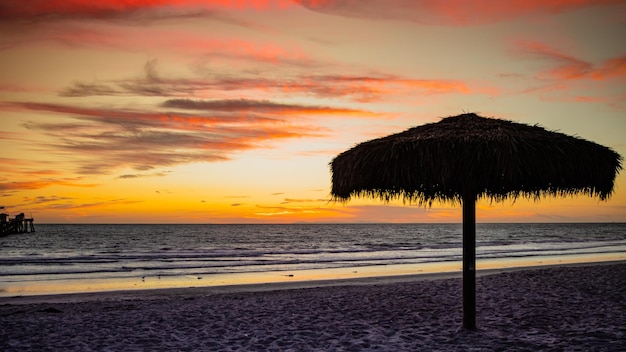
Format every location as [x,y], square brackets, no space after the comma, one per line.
[462,158]
[20,224]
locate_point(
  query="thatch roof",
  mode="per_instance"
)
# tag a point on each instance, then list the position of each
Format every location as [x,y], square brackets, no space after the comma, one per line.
[486,157]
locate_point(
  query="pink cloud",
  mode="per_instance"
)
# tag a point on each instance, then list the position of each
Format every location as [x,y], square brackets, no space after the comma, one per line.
[237,48]
[54,9]
[567,67]
[450,12]
[75,35]
[440,12]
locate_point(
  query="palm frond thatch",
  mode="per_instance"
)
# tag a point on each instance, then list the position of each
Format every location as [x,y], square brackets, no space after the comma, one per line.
[468,153]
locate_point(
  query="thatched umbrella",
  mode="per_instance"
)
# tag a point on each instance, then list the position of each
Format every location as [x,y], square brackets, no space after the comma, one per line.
[463,158]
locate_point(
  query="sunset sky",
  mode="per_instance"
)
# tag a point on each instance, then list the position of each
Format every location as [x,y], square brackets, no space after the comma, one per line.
[218,111]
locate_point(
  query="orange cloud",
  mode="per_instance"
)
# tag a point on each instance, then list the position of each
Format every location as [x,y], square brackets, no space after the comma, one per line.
[358,88]
[25,174]
[589,99]
[143,119]
[369,88]
[450,12]
[615,67]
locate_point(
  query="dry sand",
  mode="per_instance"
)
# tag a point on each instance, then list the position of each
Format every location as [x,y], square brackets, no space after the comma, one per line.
[566,308]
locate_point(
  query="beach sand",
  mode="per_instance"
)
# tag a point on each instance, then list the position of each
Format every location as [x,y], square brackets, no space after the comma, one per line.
[559,308]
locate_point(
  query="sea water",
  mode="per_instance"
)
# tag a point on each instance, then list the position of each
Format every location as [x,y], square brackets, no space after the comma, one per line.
[70,258]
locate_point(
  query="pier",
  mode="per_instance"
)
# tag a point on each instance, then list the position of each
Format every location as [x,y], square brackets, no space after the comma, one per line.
[19,224]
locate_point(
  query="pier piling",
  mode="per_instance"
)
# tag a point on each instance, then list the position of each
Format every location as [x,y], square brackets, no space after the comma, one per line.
[20,224]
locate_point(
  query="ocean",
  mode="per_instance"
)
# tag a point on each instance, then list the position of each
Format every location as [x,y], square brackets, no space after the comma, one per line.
[70,258]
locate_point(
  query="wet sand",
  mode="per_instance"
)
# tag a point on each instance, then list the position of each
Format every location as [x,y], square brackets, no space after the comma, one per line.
[558,308]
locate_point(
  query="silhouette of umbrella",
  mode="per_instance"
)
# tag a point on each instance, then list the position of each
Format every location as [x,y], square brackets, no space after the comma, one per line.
[463,158]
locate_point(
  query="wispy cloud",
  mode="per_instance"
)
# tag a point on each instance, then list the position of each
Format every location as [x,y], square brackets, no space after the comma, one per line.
[124,9]
[612,68]
[101,137]
[449,12]
[115,36]
[260,51]
[139,119]
[260,106]
[81,89]
[98,204]
[399,213]
[30,185]
[46,199]
[154,174]
[294,200]
[573,79]
[25,168]
[20,175]
[285,212]
[569,67]
[360,88]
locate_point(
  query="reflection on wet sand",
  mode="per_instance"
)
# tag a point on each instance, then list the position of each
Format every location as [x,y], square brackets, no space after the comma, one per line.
[312,276]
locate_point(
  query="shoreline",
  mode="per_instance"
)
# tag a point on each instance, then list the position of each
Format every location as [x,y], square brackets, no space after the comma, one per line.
[33,272]
[152,293]
[568,307]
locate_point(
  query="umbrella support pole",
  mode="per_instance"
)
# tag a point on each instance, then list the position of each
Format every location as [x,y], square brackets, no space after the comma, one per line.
[469,261]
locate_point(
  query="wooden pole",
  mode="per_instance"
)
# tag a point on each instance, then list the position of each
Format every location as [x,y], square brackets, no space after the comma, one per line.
[469,261]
